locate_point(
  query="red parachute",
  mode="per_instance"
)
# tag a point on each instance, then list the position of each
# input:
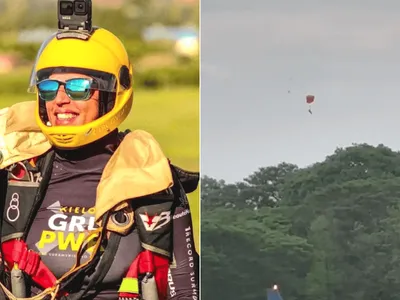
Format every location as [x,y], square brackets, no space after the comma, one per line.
[310,100]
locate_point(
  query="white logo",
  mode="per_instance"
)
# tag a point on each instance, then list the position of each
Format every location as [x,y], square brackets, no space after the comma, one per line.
[171,284]
[14,205]
[152,223]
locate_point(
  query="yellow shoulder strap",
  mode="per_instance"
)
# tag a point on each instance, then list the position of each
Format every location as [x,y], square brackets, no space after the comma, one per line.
[137,168]
[20,137]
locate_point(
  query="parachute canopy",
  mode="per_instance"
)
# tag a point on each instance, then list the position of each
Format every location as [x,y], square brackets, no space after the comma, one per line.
[310,99]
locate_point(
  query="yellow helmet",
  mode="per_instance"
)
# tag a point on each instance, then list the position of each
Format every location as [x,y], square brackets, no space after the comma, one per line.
[99,54]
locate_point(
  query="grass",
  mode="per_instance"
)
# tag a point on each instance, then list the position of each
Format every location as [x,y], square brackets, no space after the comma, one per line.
[172,116]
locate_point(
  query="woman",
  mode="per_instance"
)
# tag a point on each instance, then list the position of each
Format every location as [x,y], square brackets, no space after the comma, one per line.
[104,215]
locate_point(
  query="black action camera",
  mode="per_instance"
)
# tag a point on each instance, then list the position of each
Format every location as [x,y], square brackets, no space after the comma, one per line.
[75,15]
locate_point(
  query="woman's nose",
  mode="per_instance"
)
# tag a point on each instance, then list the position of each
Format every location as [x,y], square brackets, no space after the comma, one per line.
[62,97]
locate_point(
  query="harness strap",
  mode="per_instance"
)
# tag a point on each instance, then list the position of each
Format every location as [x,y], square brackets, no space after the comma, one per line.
[41,274]
[129,288]
[45,164]
[161,266]
[102,268]
[130,284]
[16,252]
[148,264]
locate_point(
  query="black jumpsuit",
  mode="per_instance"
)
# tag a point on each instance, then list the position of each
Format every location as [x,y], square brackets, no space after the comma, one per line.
[67,212]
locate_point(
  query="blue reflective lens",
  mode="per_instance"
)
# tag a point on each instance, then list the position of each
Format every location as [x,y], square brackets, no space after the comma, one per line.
[78,85]
[76,88]
[48,86]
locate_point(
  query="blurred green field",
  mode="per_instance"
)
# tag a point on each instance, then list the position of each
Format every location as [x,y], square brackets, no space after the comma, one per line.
[172,116]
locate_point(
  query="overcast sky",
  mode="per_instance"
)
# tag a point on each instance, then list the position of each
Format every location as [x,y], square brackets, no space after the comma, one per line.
[346,53]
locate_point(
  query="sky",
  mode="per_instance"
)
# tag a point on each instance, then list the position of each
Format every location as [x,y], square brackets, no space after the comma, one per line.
[346,53]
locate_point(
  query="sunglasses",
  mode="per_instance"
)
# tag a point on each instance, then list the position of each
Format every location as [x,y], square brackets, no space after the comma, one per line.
[76,88]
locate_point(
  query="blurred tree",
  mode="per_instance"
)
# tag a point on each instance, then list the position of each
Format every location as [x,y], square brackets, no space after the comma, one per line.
[13,14]
[333,235]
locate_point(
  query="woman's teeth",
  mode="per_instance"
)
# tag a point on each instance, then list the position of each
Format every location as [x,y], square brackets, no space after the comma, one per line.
[66,116]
